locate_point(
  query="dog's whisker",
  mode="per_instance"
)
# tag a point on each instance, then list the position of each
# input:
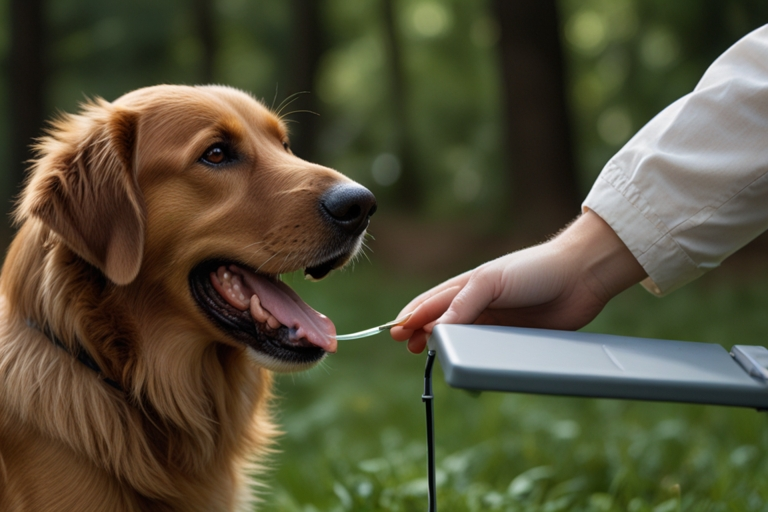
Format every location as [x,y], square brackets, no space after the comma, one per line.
[254,243]
[274,98]
[302,111]
[268,260]
[287,101]
[288,257]
[257,251]
[365,249]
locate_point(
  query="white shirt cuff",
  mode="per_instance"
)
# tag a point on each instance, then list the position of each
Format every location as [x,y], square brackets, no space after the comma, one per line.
[622,206]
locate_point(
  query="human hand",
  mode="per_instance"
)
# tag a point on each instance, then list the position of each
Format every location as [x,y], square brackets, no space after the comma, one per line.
[561,284]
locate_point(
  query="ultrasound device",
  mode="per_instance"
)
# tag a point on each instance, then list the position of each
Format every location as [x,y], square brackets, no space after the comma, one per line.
[600,365]
[520,360]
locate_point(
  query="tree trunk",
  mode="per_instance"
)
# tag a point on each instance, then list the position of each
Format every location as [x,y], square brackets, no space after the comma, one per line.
[545,193]
[205,24]
[308,46]
[409,188]
[26,86]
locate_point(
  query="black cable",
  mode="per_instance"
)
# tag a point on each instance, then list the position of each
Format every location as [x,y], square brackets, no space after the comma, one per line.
[427,399]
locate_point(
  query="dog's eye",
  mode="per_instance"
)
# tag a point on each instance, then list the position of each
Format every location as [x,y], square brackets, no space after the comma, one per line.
[286,145]
[217,154]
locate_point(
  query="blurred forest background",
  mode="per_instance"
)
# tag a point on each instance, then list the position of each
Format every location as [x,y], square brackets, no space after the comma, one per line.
[491,118]
[480,126]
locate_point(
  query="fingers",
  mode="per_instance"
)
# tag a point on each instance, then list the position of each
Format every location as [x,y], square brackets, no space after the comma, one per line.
[418,342]
[425,314]
[458,300]
[459,281]
[453,305]
[432,308]
[470,302]
[450,305]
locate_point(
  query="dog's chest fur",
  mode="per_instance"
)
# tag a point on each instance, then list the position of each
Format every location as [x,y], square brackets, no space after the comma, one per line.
[69,441]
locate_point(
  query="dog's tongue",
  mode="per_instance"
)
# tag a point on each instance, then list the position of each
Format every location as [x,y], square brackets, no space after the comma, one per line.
[285,305]
[244,289]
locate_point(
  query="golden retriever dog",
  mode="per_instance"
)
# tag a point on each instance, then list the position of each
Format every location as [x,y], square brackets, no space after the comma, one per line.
[141,307]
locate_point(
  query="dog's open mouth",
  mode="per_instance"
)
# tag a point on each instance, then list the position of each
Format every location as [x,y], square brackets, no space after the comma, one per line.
[264,313]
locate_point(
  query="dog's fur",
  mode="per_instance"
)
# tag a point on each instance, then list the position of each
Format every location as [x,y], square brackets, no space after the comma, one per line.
[117,211]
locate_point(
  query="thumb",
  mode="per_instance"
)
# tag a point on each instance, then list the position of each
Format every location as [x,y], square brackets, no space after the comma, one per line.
[469,303]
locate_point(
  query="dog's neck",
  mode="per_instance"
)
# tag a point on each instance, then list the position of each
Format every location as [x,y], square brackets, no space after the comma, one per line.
[56,292]
[81,355]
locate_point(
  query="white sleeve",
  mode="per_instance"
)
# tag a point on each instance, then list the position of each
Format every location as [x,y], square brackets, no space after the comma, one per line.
[691,187]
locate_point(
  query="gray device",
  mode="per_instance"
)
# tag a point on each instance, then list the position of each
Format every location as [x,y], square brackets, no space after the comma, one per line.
[599,365]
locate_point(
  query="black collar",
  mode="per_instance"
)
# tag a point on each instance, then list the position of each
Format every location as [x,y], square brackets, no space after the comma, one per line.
[81,355]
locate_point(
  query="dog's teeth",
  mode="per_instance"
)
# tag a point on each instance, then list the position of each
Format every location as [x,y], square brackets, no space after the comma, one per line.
[257,312]
[273,322]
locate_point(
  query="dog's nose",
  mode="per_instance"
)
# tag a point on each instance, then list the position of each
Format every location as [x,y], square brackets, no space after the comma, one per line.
[349,206]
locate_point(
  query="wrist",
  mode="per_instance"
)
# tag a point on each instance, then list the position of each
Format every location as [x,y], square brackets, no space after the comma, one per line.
[602,260]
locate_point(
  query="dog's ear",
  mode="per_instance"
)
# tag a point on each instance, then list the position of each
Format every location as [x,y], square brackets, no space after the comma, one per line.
[83,186]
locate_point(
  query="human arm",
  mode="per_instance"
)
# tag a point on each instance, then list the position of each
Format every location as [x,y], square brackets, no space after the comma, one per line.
[689,189]
[561,284]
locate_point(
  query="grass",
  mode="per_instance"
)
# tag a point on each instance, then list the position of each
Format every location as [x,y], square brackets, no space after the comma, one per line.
[355,435]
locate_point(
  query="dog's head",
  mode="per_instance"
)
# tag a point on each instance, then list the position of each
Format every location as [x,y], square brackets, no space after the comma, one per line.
[189,201]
